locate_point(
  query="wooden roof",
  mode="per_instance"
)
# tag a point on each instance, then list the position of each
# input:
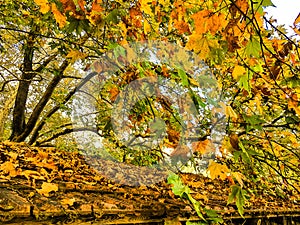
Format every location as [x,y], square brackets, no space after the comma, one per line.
[47,185]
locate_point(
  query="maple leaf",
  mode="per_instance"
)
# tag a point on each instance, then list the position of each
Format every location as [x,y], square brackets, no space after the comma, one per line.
[206,21]
[182,26]
[202,146]
[199,44]
[113,93]
[242,5]
[59,17]
[47,188]
[292,104]
[44,5]
[217,170]
[68,201]
[9,168]
[238,71]
[145,6]
[75,54]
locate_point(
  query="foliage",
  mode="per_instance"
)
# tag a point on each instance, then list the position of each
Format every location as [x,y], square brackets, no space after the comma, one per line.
[44,45]
[184,191]
[237,194]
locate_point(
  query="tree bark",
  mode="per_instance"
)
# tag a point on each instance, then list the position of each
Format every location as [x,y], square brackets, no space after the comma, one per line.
[18,124]
[42,103]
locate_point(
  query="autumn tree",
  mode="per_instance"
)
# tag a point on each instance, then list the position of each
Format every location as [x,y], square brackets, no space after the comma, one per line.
[45,46]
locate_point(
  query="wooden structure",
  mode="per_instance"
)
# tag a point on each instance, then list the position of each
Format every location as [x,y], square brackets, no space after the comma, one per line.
[79,194]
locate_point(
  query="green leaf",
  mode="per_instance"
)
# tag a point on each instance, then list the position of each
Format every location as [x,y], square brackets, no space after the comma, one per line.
[254,122]
[183,76]
[237,194]
[244,83]
[197,207]
[74,23]
[267,3]
[234,191]
[197,100]
[178,187]
[213,216]
[184,191]
[253,47]
[245,155]
[114,16]
[211,213]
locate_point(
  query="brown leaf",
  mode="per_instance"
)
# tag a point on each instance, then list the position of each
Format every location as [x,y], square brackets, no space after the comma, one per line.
[234,141]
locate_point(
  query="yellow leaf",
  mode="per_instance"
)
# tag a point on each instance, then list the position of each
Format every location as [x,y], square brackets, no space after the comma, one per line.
[75,54]
[145,7]
[217,170]
[229,111]
[200,45]
[44,5]
[147,27]
[59,17]
[238,71]
[8,167]
[47,188]
[68,201]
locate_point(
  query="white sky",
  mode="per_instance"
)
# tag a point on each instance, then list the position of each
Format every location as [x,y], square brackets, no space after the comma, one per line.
[285,12]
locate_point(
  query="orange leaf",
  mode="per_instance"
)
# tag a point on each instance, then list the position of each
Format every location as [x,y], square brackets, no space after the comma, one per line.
[292,104]
[242,5]
[113,93]
[297,20]
[59,17]
[202,146]
[96,7]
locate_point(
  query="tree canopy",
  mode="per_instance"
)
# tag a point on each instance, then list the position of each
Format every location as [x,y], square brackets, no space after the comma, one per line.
[47,47]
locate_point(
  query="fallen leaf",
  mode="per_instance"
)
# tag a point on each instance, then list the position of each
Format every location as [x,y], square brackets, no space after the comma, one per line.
[68,201]
[217,170]
[47,188]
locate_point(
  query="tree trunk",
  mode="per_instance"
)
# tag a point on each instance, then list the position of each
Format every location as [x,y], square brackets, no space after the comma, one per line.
[42,103]
[18,124]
